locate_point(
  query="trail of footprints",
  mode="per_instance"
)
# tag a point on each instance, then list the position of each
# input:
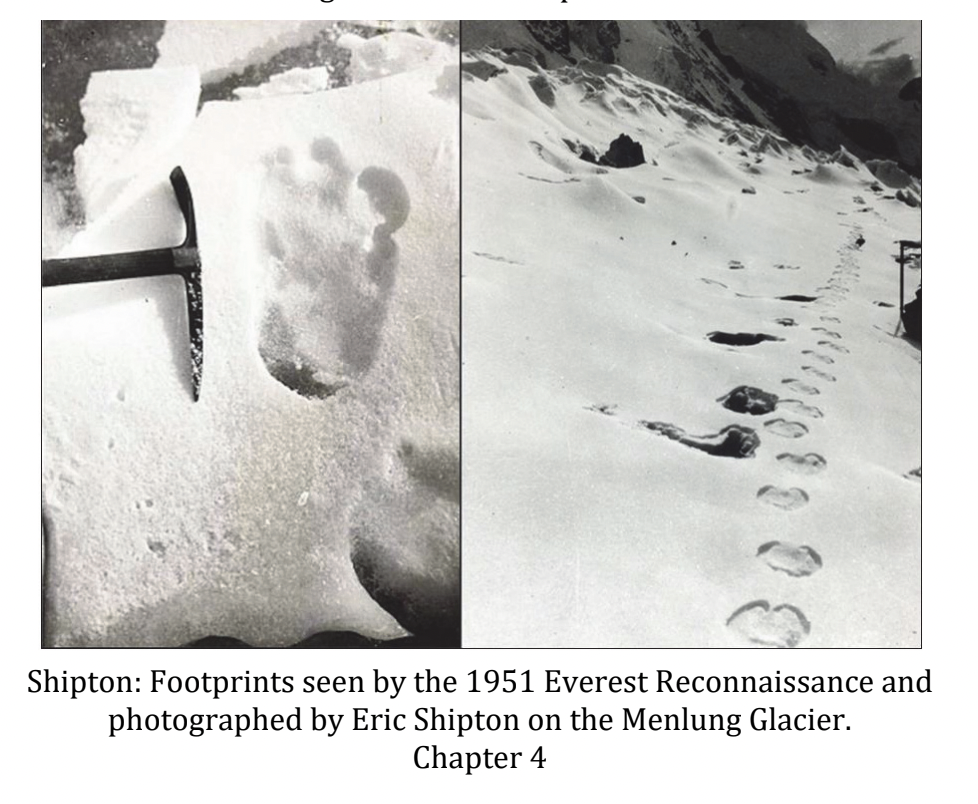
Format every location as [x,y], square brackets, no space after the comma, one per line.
[784,625]
[760,622]
[333,261]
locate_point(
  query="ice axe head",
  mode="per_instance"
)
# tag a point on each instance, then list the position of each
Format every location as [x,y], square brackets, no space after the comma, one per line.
[183,260]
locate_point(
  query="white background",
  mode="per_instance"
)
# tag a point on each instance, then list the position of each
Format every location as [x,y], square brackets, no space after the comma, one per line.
[900,747]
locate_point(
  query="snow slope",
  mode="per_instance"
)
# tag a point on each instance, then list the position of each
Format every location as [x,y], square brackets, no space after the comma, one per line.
[602,502]
[311,487]
[771,73]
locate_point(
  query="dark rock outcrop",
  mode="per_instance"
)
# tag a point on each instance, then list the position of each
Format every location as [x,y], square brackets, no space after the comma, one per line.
[623,152]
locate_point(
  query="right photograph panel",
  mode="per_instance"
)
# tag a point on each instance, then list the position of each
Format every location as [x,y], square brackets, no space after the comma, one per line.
[691,296]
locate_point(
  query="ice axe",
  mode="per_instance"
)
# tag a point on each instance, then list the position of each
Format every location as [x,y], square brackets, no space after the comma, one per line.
[182,260]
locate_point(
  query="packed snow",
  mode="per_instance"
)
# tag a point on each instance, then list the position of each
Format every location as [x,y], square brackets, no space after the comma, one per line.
[690,419]
[314,485]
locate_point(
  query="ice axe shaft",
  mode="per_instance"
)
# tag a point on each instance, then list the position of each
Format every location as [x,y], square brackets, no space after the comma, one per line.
[182,260]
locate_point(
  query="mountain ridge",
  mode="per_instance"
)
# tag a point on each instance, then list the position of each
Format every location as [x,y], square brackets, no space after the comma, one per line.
[773,74]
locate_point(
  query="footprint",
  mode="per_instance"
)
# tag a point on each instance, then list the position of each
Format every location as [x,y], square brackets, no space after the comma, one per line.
[883,304]
[830,319]
[837,347]
[809,464]
[817,356]
[405,542]
[801,387]
[782,267]
[605,408]
[731,442]
[327,242]
[799,408]
[785,499]
[735,265]
[786,429]
[712,282]
[914,474]
[783,626]
[817,372]
[828,333]
[797,561]
[786,322]
[745,399]
[741,338]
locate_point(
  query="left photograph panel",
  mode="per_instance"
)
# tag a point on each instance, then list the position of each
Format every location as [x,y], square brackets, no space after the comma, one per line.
[250,334]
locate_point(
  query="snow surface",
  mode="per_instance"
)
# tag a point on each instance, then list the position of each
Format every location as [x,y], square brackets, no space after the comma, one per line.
[328,227]
[131,117]
[595,511]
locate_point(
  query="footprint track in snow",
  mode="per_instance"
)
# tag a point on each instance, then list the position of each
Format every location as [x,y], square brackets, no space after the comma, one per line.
[818,356]
[795,560]
[786,429]
[782,626]
[404,540]
[810,463]
[828,333]
[786,499]
[817,372]
[799,408]
[332,262]
[801,387]
[836,347]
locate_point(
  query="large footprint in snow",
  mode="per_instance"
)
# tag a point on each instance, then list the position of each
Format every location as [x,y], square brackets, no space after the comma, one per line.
[327,238]
[405,542]
[782,626]
[785,499]
[795,560]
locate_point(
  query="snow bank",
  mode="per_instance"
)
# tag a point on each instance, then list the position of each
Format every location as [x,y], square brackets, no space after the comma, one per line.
[131,117]
[297,80]
[393,53]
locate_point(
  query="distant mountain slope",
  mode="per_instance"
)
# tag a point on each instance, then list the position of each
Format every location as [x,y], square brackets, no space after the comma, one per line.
[769,73]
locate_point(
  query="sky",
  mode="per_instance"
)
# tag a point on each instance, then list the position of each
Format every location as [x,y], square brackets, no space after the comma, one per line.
[856,40]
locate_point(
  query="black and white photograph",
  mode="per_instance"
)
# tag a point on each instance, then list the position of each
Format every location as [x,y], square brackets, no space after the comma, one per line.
[250,334]
[691,294]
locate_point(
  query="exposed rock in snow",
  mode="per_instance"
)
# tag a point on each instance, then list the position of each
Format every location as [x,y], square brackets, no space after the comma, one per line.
[623,152]
[297,80]
[890,173]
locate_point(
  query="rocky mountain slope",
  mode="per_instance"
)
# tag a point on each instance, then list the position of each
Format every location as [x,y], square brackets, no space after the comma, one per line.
[769,73]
